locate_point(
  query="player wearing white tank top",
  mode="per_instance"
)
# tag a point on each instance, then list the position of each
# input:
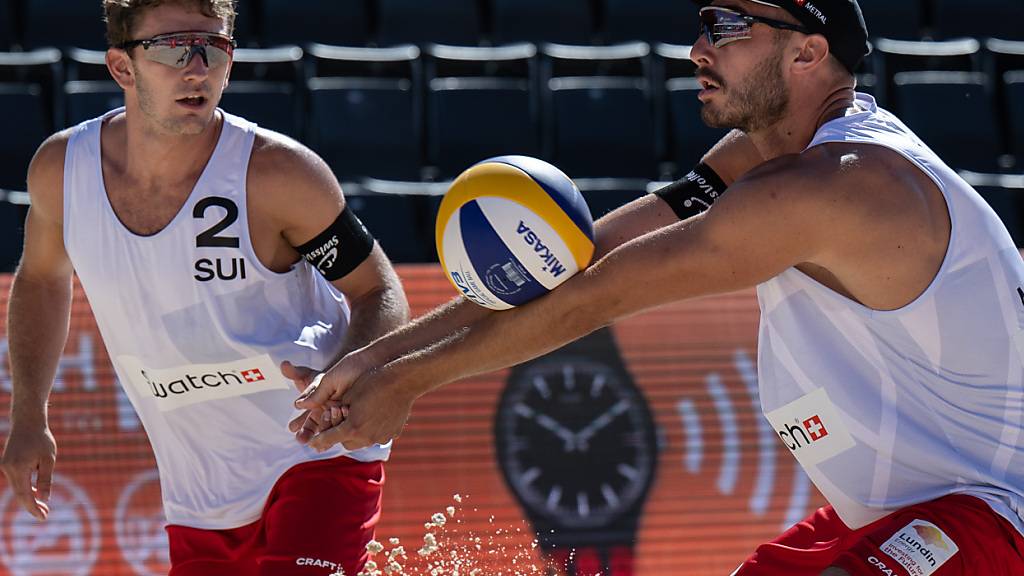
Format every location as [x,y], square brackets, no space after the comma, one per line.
[890,353]
[190,231]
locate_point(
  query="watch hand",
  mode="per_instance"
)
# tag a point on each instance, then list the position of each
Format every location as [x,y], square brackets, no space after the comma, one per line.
[599,423]
[549,423]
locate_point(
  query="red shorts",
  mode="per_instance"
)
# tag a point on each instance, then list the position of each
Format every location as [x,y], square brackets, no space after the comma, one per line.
[950,536]
[319,517]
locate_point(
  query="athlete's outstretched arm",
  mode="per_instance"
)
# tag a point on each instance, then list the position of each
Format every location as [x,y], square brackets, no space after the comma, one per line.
[733,156]
[37,323]
[759,229]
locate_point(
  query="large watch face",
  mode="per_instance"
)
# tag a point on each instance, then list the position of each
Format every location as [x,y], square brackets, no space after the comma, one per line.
[575,441]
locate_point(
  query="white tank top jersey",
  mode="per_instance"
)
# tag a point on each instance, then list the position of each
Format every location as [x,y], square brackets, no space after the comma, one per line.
[196,328]
[885,409]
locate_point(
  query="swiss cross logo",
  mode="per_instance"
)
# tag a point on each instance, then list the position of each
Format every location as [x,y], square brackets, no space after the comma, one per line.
[816,429]
[254,375]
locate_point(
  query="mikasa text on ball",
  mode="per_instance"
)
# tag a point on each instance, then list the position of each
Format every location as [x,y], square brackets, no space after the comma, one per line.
[512,228]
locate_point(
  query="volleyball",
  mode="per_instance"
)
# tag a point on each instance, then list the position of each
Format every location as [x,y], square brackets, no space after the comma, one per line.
[511,229]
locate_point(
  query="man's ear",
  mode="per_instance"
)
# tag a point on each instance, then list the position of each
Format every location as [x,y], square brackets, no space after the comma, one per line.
[119,64]
[813,51]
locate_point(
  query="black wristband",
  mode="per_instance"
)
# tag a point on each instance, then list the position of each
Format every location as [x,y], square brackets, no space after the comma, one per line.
[694,193]
[339,249]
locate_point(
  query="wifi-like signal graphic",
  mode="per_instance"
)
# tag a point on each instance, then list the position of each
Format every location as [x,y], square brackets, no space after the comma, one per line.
[767,450]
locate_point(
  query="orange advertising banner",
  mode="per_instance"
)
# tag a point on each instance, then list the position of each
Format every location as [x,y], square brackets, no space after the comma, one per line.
[700,476]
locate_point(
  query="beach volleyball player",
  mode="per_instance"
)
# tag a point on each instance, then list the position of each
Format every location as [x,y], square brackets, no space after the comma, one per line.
[891,295]
[211,252]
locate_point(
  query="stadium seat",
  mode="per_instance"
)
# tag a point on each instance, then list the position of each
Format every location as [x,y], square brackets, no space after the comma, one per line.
[901,20]
[628,59]
[85,99]
[1014,90]
[279,64]
[342,22]
[601,126]
[564,21]
[673,61]
[688,136]
[418,22]
[400,62]
[1003,55]
[7,27]
[12,224]
[507,61]
[473,118]
[64,24]
[980,18]
[1005,194]
[398,213]
[245,23]
[604,195]
[953,113]
[891,57]
[29,126]
[85,64]
[366,126]
[652,21]
[272,105]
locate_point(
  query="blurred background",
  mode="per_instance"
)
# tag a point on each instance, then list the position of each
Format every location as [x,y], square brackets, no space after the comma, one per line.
[399,96]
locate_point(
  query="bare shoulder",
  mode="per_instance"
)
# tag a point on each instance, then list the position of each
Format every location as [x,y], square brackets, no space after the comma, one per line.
[285,169]
[291,186]
[847,180]
[46,176]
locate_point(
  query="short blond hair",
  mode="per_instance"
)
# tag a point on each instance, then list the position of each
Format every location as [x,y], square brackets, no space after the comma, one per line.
[121,16]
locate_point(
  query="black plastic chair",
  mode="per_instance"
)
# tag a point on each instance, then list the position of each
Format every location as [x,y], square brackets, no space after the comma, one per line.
[417,22]
[29,123]
[563,21]
[602,126]
[366,126]
[473,118]
[343,22]
[64,24]
[651,21]
[86,99]
[952,113]
[979,18]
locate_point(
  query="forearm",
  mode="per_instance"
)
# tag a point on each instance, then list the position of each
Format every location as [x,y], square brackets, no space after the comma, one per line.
[38,316]
[374,315]
[435,325]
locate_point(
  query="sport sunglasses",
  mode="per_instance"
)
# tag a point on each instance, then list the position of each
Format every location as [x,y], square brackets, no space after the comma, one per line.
[178,48]
[722,26]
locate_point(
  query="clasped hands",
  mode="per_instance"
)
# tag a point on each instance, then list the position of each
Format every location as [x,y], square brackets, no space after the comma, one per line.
[349,404]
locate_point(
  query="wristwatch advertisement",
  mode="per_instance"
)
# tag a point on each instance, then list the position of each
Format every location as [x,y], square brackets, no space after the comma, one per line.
[577,445]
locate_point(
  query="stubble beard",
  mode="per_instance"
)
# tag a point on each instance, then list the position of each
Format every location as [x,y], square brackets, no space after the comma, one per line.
[760,101]
[187,126]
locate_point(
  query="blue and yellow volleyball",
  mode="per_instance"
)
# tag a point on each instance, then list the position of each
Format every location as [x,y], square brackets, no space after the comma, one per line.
[511,229]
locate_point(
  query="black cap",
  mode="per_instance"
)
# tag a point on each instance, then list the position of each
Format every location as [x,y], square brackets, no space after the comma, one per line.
[839,21]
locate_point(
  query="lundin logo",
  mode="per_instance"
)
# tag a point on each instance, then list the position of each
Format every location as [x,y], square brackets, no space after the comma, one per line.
[932,536]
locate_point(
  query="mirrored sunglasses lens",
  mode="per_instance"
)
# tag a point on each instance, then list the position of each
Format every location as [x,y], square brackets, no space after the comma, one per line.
[178,52]
[723,27]
[181,56]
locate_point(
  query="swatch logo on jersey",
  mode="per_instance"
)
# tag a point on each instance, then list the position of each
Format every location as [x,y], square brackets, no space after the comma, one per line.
[811,428]
[173,388]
